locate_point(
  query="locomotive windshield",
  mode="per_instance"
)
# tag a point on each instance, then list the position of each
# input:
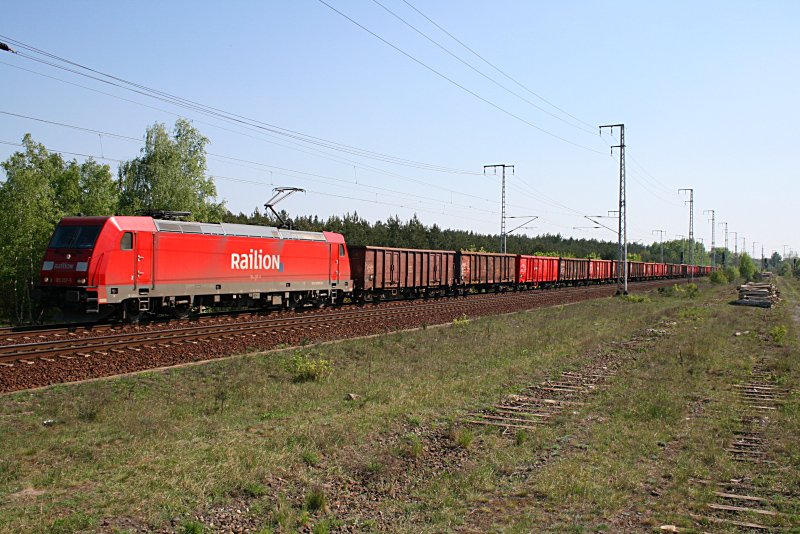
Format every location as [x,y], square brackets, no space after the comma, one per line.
[75,236]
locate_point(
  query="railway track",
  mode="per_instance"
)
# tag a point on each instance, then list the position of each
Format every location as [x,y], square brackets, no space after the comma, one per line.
[737,505]
[132,339]
[542,403]
[10,335]
[66,356]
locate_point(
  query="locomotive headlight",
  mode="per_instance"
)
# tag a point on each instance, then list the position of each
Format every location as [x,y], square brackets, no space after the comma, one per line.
[47,266]
[81,266]
[81,280]
[46,279]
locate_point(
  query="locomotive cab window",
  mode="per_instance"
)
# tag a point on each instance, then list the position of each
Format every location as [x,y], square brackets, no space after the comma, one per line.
[75,237]
[341,251]
[127,241]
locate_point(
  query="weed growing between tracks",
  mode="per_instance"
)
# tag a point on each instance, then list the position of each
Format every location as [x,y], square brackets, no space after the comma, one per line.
[152,449]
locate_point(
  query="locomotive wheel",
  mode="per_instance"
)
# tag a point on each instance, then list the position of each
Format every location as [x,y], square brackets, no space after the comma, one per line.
[181,311]
[131,312]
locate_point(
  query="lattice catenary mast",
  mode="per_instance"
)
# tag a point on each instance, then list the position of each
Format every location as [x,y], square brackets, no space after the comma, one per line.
[713,236]
[725,254]
[691,227]
[622,240]
[503,202]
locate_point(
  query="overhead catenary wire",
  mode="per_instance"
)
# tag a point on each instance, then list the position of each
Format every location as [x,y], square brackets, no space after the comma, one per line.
[413,207]
[308,150]
[478,71]
[188,104]
[320,153]
[459,85]
[266,165]
[441,209]
[163,96]
[495,67]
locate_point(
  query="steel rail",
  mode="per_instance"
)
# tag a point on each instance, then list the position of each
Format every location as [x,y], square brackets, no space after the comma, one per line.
[61,347]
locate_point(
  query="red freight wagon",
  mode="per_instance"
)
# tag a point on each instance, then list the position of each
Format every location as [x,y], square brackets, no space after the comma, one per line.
[602,270]
[573,271]
[534,271]
[635,270]
[388,271]
[143,264]
[486,270]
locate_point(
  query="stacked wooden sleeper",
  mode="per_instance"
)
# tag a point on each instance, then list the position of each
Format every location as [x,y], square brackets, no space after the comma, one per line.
[760,294]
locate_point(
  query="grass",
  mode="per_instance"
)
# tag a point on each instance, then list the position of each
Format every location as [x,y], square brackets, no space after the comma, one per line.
[633,448]
[164,444]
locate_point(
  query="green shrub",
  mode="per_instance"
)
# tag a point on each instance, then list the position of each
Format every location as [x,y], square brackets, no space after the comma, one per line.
[718,277]
[730,273]
[304,368]
[747,269]
[463,437]
[669,291]
[690,291]
[778,334]
[461,321]
[193,527]
[310,458]
[411,446]
[374,466]
[282,516]
[254,489]
[316,500]
[414,420]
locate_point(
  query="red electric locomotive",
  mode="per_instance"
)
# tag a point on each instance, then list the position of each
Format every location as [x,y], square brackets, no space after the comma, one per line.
[135,265]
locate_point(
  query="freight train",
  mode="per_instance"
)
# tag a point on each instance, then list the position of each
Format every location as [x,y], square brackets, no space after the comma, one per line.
[129,266]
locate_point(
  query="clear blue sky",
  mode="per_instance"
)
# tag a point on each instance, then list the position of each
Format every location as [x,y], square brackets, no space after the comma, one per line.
[708,92]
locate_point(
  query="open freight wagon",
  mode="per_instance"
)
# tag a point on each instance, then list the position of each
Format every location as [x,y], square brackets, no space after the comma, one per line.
[386,272]
[484,271]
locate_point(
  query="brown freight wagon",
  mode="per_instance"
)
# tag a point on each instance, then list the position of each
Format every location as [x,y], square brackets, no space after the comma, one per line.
[573,271]
[383,272]
[486,271]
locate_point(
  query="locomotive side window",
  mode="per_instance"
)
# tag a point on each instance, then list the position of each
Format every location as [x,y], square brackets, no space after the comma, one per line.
[127,241]
[341,251]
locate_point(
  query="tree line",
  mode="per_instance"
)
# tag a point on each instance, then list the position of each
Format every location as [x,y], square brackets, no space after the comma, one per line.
[40,187]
